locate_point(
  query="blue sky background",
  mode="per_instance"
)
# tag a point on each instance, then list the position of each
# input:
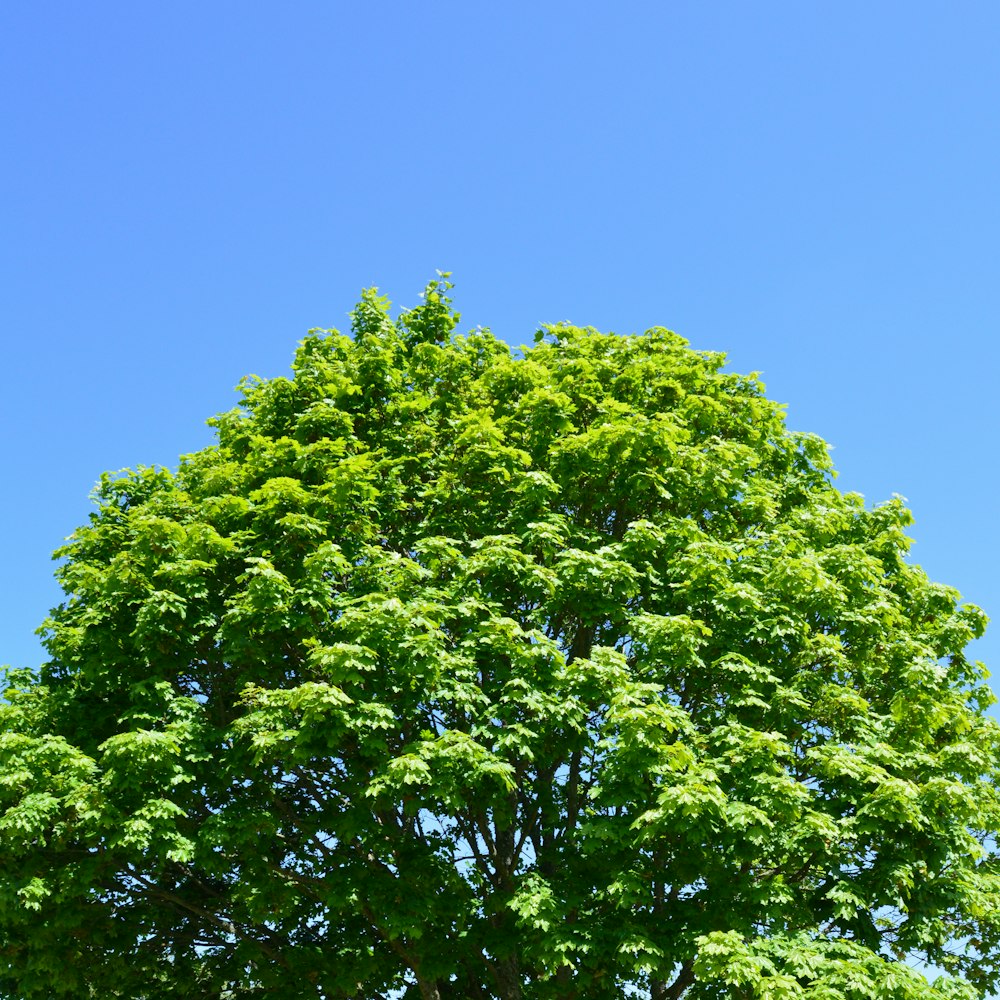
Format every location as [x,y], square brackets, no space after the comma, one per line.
[188,187]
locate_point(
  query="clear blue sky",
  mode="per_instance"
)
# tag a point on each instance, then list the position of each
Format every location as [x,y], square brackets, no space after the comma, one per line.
[188,187]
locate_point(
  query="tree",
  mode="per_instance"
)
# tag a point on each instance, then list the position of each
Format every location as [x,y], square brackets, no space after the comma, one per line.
[456,672]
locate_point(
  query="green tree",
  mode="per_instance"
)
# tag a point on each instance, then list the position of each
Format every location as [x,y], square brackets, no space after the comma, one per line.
[456,672]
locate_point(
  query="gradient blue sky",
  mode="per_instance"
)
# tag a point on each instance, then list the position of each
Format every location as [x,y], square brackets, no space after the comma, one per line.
[188,187]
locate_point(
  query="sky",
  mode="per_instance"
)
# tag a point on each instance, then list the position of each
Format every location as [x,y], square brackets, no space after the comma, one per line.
[187,188]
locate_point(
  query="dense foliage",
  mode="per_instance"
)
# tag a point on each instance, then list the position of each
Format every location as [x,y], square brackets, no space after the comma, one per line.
[457,672]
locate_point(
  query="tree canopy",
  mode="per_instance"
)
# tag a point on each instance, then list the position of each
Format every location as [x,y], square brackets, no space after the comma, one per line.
[452,671]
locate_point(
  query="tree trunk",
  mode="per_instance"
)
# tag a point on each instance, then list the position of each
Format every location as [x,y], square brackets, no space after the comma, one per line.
[429,989]
[684,979]
[508,977]
[564,983]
